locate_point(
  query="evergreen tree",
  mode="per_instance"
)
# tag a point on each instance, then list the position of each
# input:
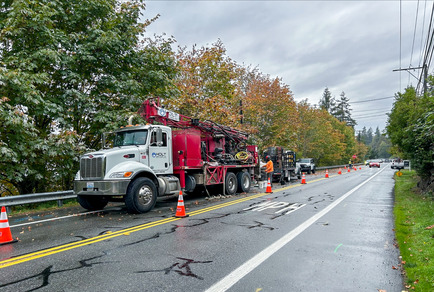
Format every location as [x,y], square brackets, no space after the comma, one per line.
[327,102]
[343,111]
[364,136]
[369,136]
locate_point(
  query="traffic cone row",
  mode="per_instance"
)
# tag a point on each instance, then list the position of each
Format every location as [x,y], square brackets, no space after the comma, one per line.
[5,230]
[268,189]
[6,237]
[180,210]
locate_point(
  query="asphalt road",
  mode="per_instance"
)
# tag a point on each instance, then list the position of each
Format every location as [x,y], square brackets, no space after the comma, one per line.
[331,234]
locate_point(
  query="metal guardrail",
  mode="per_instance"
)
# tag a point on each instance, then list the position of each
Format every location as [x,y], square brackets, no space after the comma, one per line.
[63,195]
[37,198]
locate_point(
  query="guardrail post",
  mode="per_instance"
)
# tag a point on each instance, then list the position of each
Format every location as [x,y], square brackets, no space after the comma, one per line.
[59,203]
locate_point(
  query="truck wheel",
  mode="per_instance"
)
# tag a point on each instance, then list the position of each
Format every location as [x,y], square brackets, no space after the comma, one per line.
[230,183]
[92,203]
[308,171]
[244,182]
[141,195]
[313,170]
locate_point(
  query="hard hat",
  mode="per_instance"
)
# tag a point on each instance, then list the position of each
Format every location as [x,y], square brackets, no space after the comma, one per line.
[267,157]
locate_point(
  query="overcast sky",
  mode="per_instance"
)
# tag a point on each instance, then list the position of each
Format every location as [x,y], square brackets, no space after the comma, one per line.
[349,46]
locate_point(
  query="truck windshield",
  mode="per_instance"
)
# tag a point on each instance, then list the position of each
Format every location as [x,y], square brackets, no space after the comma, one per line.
[125,138]
[304,160]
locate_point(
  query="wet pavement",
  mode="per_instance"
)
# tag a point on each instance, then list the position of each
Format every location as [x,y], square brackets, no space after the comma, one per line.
[349,248]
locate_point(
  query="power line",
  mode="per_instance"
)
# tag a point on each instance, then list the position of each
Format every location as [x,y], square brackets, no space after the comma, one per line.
[400,42]
[422,36]
[368,110]
[383,111]
[375,99]
[369,117]
[371,114]
[427,53]
[414,36]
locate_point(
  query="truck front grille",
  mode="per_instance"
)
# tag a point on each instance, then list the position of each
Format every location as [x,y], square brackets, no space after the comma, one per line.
[92,168]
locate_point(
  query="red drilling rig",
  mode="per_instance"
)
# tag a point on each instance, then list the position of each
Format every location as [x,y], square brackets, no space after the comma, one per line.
[206,153]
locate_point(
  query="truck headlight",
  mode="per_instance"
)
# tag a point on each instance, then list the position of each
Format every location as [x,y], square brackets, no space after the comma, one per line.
[121,174]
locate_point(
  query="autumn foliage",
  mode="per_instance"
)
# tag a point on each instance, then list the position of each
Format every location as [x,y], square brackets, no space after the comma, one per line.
[212,86]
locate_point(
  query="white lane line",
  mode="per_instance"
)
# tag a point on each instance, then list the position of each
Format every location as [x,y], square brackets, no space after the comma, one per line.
[56,218]
[230,280]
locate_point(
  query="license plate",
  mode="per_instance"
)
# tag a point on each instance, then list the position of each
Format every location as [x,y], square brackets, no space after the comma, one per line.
[90,185]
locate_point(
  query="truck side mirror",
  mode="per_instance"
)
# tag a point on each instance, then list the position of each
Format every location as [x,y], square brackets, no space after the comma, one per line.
[159,137]
[106,141]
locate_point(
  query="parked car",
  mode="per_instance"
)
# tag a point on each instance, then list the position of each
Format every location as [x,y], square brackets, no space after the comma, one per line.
[306,165]
[397,163]
[400,164]
[374,164]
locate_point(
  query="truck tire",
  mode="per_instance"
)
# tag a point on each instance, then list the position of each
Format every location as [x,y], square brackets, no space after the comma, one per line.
[308,171]
[244,182]
[313,170]
[231,183]
[141,195]
[92,203]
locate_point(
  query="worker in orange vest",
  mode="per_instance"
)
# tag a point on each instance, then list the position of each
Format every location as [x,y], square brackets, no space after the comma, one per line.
[269,169]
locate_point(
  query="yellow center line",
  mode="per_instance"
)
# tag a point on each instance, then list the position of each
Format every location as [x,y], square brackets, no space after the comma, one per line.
[61,248]
[127,231]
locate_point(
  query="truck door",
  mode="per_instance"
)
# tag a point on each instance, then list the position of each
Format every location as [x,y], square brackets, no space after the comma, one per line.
[160,156]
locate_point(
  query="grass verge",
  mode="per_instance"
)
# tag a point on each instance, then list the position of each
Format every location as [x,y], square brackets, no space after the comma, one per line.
[414,229]
[37,207]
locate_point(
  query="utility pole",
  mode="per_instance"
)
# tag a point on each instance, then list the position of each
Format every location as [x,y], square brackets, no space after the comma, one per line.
[425,75]
[425,78]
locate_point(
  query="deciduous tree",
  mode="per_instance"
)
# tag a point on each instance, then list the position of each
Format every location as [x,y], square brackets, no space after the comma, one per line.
[271,113]
[411,129]
[208,84]
[73,69]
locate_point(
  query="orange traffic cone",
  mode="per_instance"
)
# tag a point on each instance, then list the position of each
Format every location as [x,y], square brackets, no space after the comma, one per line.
[345,167]
[268,189]
[340,171]
[327,174]
[349,169]
[5,230]
[303,179]
[180,210]
[360,167]
[355,168]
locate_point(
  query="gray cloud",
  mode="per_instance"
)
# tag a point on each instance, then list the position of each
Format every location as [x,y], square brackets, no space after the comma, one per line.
[349,46]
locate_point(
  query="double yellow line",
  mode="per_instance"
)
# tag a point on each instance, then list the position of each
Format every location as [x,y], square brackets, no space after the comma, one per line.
[127,231]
